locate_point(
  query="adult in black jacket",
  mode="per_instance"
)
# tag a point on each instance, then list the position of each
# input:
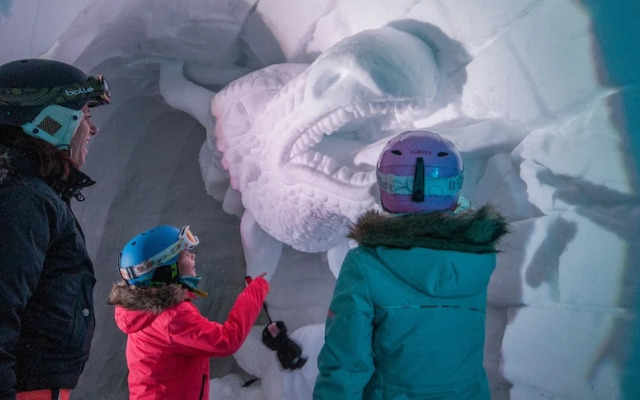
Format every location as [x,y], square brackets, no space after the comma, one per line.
[46,276]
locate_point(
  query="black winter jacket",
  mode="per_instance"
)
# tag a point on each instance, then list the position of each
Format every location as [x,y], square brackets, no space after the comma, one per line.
[46,280]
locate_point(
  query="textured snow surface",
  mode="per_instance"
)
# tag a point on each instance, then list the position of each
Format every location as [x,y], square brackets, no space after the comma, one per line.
[258,123]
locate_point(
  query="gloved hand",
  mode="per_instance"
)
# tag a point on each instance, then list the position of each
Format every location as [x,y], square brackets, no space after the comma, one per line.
[248,279]
[275,337]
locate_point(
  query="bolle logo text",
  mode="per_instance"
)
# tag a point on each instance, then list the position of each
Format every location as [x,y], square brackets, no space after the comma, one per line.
[81,90]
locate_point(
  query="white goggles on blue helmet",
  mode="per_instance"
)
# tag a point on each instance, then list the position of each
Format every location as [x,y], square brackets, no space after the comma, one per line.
[186,240]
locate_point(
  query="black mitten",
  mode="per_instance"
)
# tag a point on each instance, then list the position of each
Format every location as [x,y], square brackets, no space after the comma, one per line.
[288,351]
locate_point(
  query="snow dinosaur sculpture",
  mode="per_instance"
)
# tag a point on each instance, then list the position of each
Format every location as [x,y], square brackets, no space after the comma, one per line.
[300,141]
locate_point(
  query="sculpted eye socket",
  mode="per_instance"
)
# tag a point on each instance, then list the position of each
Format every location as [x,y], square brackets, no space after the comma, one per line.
[241,110]
[324,83]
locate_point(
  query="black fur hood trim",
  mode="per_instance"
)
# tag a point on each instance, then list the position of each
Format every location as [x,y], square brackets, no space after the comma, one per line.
[151,299]
[6,168]
[472,231]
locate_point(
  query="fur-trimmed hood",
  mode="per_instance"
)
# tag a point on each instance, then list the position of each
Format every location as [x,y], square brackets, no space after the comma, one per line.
[143,305]
[469,231]
[150,299]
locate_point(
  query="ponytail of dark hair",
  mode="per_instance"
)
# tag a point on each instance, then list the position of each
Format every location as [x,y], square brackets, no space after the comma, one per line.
[51,164]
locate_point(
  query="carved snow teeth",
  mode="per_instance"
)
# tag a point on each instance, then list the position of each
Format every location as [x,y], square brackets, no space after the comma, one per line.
[302,153]
[302,150]
[343,116]
[299,141]
[362,177]
[301,132]
[328,165]
[309,140]
[343,174]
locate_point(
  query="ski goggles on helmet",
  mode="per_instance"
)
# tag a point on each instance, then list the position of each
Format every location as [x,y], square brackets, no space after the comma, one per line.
[186,240]
[95,88]
[428,186]
[93,92]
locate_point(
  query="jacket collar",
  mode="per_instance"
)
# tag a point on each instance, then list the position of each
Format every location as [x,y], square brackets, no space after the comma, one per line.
[76,181]
[468,231]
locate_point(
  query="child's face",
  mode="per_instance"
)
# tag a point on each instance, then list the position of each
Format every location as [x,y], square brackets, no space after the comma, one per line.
[187,263]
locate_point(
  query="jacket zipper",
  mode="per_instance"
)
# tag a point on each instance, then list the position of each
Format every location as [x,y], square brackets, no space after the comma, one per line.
[204,377]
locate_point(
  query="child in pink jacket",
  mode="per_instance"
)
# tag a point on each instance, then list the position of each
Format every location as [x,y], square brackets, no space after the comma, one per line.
[169,342]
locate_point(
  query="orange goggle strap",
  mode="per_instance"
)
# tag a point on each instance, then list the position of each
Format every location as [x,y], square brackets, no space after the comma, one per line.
[190,283]
[198,292]
[95,90]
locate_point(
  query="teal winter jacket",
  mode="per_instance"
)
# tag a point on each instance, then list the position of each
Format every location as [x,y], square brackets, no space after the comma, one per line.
[407,317]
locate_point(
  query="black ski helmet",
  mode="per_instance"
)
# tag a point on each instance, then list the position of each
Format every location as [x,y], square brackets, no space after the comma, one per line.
[47,95]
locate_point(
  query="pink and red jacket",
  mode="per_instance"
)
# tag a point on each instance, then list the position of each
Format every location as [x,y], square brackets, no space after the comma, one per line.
[170,342]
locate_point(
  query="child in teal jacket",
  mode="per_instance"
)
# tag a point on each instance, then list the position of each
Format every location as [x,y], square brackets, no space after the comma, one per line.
[407,317]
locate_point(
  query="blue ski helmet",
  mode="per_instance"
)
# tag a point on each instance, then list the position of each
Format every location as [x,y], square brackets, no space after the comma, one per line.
[152,249]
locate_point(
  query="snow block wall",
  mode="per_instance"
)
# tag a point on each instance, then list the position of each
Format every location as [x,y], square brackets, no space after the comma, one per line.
[541,97]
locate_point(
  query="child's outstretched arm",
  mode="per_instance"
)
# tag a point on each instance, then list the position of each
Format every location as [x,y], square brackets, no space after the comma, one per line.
[191,333]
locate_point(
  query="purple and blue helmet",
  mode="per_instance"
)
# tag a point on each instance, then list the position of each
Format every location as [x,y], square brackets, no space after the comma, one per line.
[419,171]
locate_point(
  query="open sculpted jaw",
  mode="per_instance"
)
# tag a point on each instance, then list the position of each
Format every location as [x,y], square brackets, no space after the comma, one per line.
[300,141]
